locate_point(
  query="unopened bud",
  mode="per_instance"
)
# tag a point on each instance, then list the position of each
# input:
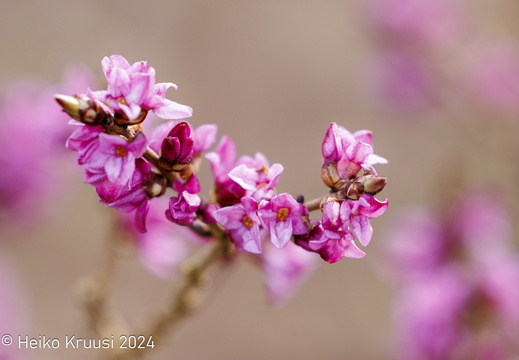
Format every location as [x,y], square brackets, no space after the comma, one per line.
[373,184]
[83,109]
[177,148]
[353,190]
[326,200]
[330,175]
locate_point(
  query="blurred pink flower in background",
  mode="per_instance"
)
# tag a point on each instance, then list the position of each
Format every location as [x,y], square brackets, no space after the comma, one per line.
[31,145]
[402,80]
[420,22]
[456,274]
[284,271]
[492,74]
[165,245]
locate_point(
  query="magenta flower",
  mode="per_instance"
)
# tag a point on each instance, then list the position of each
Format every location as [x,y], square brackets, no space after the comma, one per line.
[132,89]
[283,217]
[182,208]
[242,223]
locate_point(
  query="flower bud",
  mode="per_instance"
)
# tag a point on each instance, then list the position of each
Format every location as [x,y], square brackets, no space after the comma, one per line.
[176,150]
[373,184]
[83,109]
[330,175]
[353,190]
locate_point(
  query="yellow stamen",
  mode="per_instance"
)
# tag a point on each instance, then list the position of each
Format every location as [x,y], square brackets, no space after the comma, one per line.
[247,221]
[120,151]
[282,214]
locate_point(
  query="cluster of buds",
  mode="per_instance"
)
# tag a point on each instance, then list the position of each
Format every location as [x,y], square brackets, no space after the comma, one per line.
[129,169]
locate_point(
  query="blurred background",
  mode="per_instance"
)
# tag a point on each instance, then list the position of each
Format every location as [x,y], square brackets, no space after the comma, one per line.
[437,84]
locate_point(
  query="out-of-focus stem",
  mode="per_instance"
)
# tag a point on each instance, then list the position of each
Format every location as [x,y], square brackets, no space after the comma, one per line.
[96,290]
[187,299]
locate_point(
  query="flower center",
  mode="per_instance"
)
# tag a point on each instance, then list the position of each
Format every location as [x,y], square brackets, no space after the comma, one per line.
[247,221]
[120,151]
[122,101]
[282,214]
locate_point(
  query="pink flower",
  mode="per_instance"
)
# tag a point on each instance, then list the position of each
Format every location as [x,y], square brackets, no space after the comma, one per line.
[403,80]
[182,208]
[418,21]
[332,238]
[285,270]
[242,223]
[116,156]
[349,153]
[428,314]
[130,197]
[31,142]
[84,141]
[259,183]
[283,217]
[493,75]
[222,161]
[132,89]
[360,212]
[165,245]
[415,243]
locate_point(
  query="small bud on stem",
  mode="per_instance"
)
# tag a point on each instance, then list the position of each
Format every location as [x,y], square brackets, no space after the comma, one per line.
[83,109]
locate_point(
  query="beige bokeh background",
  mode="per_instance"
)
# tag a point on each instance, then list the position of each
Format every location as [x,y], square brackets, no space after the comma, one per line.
[272,75]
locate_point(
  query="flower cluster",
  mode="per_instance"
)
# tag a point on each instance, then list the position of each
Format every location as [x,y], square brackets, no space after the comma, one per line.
[130,166]
[348,170]
[454,274]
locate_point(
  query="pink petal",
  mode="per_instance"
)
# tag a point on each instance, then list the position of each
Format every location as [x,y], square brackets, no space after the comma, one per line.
[280,234]
[331,146]
[172,110]
[364,136]
[251,240]
[352,251]
[362,228]
[140,216]
[245,176]
[205,137]
[140,90]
